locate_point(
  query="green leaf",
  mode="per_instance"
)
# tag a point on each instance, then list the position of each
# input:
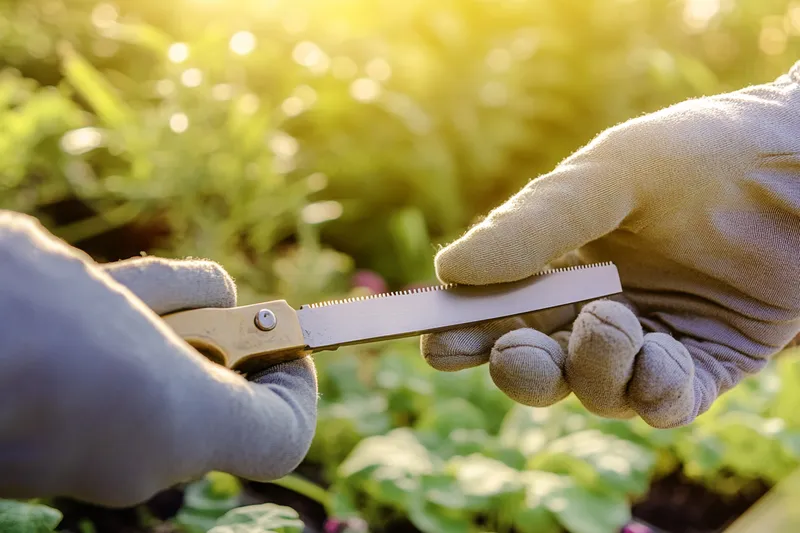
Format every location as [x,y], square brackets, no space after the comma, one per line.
[398,453]
[215,493]
[529,429]
[342,503]
[431,518]
[533,516]
[208,499]
[263,518]
[103,98]
[223,486]
[449,415]
[577,509]
[389,467]
[444,490]
[23,517]
[599,460]
[482,477]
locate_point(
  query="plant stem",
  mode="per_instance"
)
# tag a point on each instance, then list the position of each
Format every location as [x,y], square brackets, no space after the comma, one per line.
[306,488]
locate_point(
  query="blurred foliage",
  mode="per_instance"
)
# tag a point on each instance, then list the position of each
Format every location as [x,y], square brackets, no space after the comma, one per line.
[453,454]
[375,128]
[323,148]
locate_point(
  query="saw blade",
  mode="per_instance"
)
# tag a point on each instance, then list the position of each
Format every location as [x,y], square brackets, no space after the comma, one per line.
[329,325]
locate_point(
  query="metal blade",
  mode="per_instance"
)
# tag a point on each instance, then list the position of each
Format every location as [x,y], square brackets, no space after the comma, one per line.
[329,325]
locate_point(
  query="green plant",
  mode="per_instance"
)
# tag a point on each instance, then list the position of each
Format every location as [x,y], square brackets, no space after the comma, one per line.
[27,517]
[264,518]
[207,500]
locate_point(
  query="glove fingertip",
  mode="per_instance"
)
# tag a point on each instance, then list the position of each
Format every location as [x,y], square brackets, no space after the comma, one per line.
[661,390]
[169,285]
[455,350]
[527,366]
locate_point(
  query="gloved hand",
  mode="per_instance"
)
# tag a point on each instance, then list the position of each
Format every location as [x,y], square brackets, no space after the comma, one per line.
[101,401]
[698,205]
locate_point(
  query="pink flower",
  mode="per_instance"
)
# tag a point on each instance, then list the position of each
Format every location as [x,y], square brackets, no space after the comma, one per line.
[370,280]
[332,525]
[634,527]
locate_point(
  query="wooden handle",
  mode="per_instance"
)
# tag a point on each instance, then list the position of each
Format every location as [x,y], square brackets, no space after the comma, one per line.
[240,338]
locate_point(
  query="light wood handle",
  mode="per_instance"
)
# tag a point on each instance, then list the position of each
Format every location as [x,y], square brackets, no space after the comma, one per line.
[232,338]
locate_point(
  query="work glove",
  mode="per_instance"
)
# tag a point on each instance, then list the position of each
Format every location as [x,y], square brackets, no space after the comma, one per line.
[102,402]
[698,206]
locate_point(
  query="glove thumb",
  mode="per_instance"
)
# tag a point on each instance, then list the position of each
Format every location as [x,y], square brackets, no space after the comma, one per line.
[584,198]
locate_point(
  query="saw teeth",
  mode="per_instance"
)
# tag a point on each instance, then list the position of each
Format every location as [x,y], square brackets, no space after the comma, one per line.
[436,288]
[381,295]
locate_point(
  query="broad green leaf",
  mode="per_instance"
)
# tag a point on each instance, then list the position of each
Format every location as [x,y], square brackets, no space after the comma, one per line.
[206,500]
[530,429]
[449,415]
[532,515]
[398,453]
[599,460]
[366,414]
[264,518]
[431,518]
[482,477]
[577,509]
[445,491]
[24,517]
[459,442]
[389,467]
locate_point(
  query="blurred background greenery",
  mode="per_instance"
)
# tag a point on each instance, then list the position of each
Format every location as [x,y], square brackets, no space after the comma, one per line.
[320,148]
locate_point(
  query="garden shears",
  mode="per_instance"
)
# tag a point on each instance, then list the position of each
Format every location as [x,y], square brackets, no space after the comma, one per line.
[251,337]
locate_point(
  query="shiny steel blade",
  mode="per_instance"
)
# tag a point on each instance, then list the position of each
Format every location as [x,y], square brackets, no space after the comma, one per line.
[329,325]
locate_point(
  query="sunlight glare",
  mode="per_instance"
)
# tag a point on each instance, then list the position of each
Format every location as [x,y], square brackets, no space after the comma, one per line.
[192,77]
[165,87]
[249,104]
[499,60]
[82,140]
[319,212]
[378,69]
[292,106]
[698,13]
[104,15]
[311,56]
[222,92]
[772,41]
[317,182]
[365,89]
[179,122]
[283,144]
[242,43]
[178,52]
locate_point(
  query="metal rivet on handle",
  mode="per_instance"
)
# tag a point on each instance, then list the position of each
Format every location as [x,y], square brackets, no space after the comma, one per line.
[266,320]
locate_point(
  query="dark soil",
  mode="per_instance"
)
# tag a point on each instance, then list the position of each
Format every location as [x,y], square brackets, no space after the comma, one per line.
[163,506]
[678,505]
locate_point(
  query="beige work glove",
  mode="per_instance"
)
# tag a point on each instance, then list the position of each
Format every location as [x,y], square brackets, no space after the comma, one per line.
[698,205]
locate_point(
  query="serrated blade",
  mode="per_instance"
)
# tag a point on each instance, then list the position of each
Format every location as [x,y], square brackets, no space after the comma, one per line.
[329,325]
